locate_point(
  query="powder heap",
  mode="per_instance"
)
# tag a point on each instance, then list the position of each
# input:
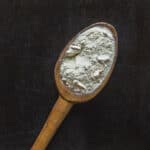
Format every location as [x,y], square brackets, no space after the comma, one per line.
[88,60]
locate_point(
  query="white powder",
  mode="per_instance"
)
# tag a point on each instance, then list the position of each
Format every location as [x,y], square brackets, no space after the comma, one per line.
[88,60]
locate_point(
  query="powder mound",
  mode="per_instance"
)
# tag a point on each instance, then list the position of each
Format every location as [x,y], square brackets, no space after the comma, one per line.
[88,60]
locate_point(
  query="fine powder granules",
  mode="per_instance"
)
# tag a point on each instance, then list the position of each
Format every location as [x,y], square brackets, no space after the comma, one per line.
[88,60]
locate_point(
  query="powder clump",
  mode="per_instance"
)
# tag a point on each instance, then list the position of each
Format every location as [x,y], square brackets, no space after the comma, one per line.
[88,60]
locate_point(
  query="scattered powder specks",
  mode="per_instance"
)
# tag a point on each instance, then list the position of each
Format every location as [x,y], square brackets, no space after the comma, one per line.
[88,60]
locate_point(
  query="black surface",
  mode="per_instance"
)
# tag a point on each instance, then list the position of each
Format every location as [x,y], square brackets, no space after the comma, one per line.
[32,35]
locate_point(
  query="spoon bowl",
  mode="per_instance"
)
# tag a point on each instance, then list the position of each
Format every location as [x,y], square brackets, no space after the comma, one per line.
[65,92]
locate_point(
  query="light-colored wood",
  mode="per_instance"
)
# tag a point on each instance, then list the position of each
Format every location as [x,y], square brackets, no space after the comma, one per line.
[63,105]
[55,118]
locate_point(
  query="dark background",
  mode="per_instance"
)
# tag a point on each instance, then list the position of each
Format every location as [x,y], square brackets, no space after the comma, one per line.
[32,35]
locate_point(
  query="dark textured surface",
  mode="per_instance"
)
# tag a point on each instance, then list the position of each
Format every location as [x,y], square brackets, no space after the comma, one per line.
[32,34]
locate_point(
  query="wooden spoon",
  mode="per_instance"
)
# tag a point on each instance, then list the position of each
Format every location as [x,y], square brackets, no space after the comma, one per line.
[67,98]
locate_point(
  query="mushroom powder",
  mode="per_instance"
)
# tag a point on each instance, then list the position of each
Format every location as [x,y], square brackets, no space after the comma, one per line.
[88,60]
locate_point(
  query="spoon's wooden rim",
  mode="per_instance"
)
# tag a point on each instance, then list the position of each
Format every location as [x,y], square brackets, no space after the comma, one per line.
[63,90]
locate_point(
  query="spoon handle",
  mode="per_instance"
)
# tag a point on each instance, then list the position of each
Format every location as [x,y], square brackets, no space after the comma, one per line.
[54,120]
